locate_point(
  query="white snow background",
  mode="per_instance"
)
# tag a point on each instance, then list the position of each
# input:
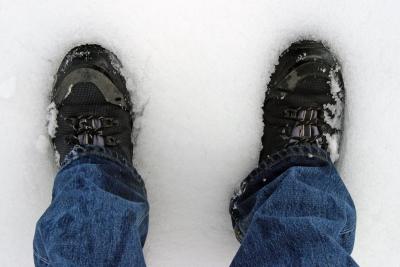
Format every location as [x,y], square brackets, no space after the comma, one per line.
[198,70]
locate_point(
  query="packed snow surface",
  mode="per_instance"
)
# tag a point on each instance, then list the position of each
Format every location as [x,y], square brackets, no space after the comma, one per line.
[197,71]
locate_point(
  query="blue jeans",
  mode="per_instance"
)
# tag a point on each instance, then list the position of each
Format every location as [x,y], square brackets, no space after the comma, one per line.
[293,210]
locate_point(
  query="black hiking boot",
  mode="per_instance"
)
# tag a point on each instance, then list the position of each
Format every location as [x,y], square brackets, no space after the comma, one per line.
[90,103]
[304,103]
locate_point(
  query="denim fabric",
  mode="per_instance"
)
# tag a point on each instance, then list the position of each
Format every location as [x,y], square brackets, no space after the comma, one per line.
[294,210]
[98,215]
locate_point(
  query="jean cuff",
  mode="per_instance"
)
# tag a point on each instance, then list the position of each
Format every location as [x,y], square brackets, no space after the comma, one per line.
[80,151]
[270,168]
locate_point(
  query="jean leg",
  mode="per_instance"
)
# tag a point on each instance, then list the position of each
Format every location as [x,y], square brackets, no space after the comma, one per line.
[98,215]
[294,210]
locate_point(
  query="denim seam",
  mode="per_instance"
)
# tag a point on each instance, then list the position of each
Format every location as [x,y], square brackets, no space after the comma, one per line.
[46,261]
[141,219]
[347,231]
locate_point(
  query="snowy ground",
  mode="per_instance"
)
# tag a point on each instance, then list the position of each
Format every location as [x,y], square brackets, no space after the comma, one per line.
[198,70]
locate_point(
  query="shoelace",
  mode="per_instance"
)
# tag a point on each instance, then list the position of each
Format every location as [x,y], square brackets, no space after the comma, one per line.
[307,126]
[88,129]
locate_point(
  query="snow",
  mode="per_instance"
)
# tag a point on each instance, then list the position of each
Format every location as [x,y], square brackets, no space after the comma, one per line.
[333,115]
[333,146]
[42,143]
[52,113]
[8,87]
[197,70]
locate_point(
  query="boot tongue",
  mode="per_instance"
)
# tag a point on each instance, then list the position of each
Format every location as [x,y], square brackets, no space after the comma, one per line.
[84,93]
